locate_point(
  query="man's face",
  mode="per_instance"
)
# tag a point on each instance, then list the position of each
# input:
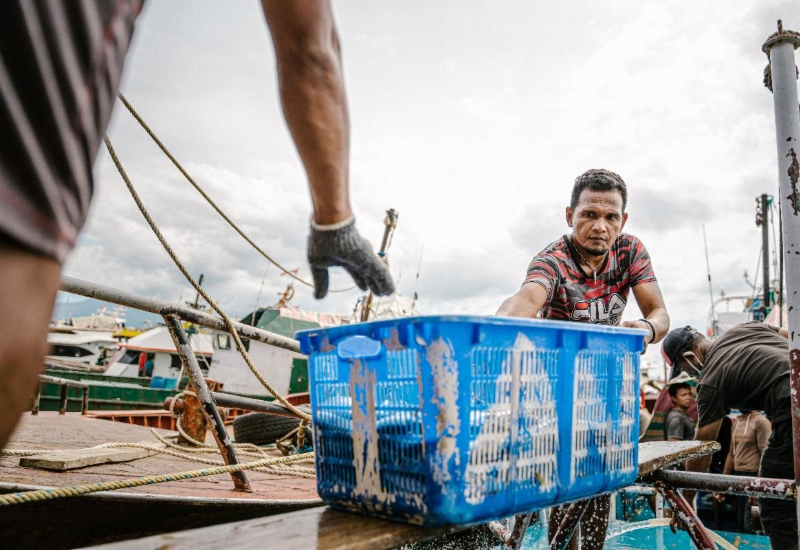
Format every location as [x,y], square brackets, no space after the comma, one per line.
[683,398]
[687,364]
[596,220]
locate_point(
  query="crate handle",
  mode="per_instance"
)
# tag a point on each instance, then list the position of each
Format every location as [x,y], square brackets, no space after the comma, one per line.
[359,346]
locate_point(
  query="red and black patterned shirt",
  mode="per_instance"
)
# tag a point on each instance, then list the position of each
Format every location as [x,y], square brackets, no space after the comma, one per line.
[574,296]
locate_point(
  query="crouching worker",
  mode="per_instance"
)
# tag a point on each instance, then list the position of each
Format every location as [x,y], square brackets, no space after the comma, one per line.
[746,368]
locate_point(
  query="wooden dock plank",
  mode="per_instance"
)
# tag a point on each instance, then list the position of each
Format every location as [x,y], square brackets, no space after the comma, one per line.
[318,528]
[80,458]
[49,431]
[655,455]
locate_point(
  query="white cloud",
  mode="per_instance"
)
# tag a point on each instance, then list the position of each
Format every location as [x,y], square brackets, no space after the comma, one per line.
[472,123]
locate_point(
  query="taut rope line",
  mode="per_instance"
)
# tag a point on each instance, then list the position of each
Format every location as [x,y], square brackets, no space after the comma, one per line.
[197,287]
[209,200]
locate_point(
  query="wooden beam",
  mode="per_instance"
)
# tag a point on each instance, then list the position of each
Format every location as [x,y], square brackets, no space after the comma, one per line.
[80,458]
[655,455]
[318,528]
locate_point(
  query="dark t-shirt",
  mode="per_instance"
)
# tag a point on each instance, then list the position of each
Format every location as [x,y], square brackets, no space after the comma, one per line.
[678,425]
[573,296]
[746,368]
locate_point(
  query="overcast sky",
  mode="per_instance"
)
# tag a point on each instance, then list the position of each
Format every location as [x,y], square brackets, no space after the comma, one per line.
[472,120]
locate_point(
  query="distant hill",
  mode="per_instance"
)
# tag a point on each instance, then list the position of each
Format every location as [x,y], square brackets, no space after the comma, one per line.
[78,307]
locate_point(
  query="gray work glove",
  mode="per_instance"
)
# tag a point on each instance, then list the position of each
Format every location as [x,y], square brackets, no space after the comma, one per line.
[341,244]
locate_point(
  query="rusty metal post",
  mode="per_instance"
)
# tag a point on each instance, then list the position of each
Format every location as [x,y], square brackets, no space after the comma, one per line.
[62,406]
[85,401]
[521,524]
[686,515]
[191,419]
[209,407]
[160,307]
[251,404]
[35,407]
[780,47]
[512,538]
[566,529]
[783,489]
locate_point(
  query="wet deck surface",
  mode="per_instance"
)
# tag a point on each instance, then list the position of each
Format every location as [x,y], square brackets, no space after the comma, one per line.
[655,455]
[327,529]
[73,431]
[317,528]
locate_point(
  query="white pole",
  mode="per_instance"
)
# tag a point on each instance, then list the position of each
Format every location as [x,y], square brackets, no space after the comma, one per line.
[780,49]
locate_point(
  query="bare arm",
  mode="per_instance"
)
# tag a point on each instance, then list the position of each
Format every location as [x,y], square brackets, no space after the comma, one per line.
[651,303]
[728,468]
[526,303]
[313,98]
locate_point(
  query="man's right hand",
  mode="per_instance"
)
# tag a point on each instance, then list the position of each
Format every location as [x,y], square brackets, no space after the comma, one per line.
[342,245]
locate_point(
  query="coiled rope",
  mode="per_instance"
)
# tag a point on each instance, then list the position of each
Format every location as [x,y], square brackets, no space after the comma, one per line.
[197,287]
[209,200]
[61,492]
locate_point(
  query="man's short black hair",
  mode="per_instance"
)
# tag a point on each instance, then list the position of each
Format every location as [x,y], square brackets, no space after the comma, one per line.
[599,180]
[675,388]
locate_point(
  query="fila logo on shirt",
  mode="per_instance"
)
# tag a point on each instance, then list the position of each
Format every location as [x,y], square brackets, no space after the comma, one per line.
[595,311]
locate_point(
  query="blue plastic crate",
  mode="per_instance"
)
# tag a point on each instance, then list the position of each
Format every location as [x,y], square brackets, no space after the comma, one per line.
[457,419]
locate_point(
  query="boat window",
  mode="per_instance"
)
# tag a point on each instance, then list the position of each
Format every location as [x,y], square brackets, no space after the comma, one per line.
[176,362]
[130,357]
[202,361]
[69,351]
[223,341]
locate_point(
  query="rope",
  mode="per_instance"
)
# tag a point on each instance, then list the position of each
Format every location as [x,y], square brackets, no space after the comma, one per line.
[209,200]
[198,288]
[60,492]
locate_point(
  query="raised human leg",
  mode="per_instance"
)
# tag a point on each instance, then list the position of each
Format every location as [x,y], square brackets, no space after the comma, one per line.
[28,286]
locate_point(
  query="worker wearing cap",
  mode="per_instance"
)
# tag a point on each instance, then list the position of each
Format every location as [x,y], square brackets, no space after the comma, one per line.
[746,368]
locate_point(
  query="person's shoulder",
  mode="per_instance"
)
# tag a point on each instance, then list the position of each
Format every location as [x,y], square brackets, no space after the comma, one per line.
[555,248]
[751,327]
[626,240]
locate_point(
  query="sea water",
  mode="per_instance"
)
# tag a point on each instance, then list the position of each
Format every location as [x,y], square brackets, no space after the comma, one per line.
[640,536]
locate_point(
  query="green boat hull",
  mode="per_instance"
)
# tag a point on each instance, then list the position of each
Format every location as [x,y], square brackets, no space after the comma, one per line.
[125,393]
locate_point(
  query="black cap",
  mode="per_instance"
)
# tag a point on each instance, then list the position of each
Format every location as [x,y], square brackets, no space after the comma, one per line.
[676,341]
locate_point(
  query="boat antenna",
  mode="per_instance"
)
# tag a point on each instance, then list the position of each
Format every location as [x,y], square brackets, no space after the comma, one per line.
[416,281]
[258,297]
[196,303]
[710,291]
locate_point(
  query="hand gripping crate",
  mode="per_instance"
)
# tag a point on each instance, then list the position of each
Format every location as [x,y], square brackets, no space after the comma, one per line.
[456,419]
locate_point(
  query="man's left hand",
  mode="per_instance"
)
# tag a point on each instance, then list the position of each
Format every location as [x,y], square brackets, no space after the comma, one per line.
[642,325]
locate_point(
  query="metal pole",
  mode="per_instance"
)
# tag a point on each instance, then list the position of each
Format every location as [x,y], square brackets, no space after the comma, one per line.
[35,409]
[250,404]
[738,485]
[160,307]
[63,405]
[710,291]
[569,523]
[780,47]
[200,389]
[765,248]
[390,223]
[687,517]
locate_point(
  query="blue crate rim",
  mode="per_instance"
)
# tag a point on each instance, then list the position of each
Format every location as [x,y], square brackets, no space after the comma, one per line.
[518,322]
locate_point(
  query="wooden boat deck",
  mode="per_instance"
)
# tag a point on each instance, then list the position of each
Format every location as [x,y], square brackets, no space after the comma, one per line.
[73,431]
[127,513]
[328,529]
